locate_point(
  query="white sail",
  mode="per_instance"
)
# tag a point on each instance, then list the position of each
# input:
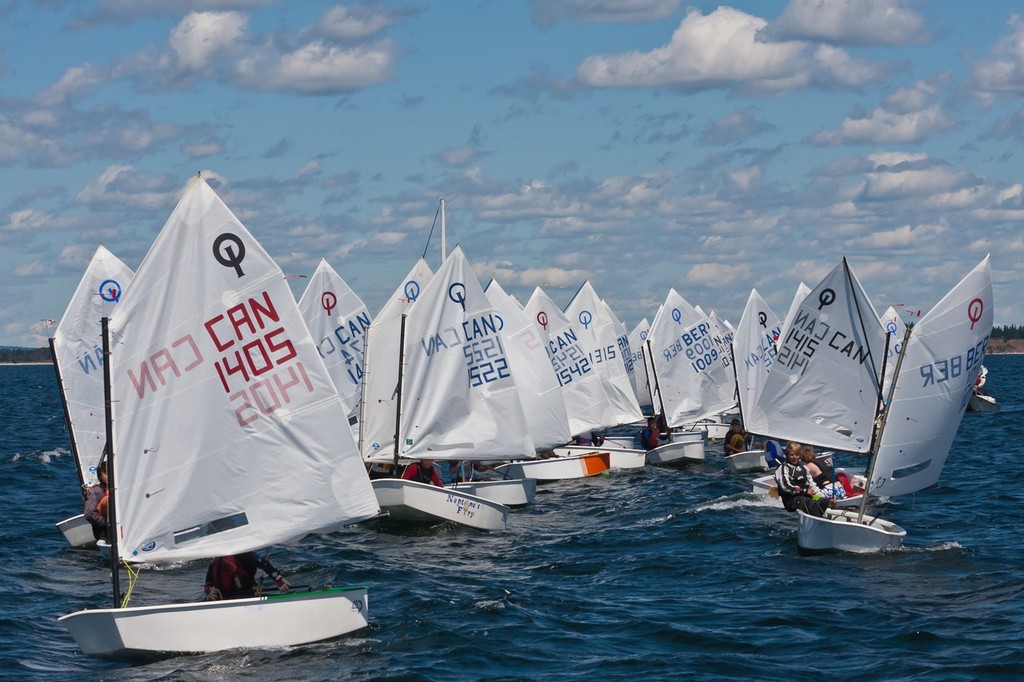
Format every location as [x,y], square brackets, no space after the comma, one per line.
[586,402]
[625,352]
[228,433]
[823,387]
[459,396]
[894,327]
[690,376]
[754,348]
[538,386]
[802,290]
[380,366]
[338,322]
[723,337]
[641,366]
[599,337]
[942,360]
[77,350]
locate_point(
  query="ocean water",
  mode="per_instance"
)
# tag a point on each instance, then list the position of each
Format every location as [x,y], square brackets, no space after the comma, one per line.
[658,574]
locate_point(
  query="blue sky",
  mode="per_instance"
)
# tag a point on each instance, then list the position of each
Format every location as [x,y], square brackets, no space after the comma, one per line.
[640,144]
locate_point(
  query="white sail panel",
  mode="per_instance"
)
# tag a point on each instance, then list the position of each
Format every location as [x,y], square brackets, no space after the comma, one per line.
[802,291]
[942,361]
[459,395]
[754,348]
[338,321]
[586,402]
[380,366]
[228,433]
[689,373]
[823,387]
[723,337]
[641,366]
[599,338]
[894,327]
[538,387]
[77,349]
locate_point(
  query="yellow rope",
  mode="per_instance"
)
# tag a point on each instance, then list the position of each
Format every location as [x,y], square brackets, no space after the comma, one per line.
[133,575]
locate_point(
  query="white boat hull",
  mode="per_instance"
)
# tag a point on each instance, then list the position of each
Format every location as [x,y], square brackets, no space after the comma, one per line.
[277,620]
[749,460]
[839,530]
[714,430]
[982,403]
[414,501]
[559,468]
[677,452]
[511,492]
[618,457]
[77,531]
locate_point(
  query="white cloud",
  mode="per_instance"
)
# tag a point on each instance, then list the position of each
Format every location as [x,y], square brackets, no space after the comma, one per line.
[318,68]
[884,126]
[723,50]
[714,276]
[201,38]
[848,22]
[74,81]
[122,186]
[458,157]
[547,12]
[354,23]
[903,237]
[1003,73]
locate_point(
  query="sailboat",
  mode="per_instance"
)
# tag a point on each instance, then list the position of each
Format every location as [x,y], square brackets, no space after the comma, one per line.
[980,400]
[338,321]
[608,352]
[938,365]
[379,404]
[824,387]
[226,435]
[691,382]
[78,361]
[754,352]
[456,399]
[586,403]
[638,355]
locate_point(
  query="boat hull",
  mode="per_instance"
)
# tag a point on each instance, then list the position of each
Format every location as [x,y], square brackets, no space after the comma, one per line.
[618,457]
[839,530]
[511,492]
[77,531]
[982,403]
[679,451]
[749,460]
[406,500]
[559,468]
[269,621]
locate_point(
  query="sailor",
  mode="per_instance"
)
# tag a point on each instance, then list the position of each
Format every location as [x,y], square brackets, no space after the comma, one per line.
[796,487]
[234,577]
[424,472]
[96,497]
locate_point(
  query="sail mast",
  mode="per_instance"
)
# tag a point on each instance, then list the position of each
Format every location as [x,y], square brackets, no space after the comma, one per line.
[108,401]
[657,386]
[67,418]
[884,416]
[398,393]
[444,236]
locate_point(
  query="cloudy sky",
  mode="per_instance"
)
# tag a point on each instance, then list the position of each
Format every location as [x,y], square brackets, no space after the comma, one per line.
[640,144]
